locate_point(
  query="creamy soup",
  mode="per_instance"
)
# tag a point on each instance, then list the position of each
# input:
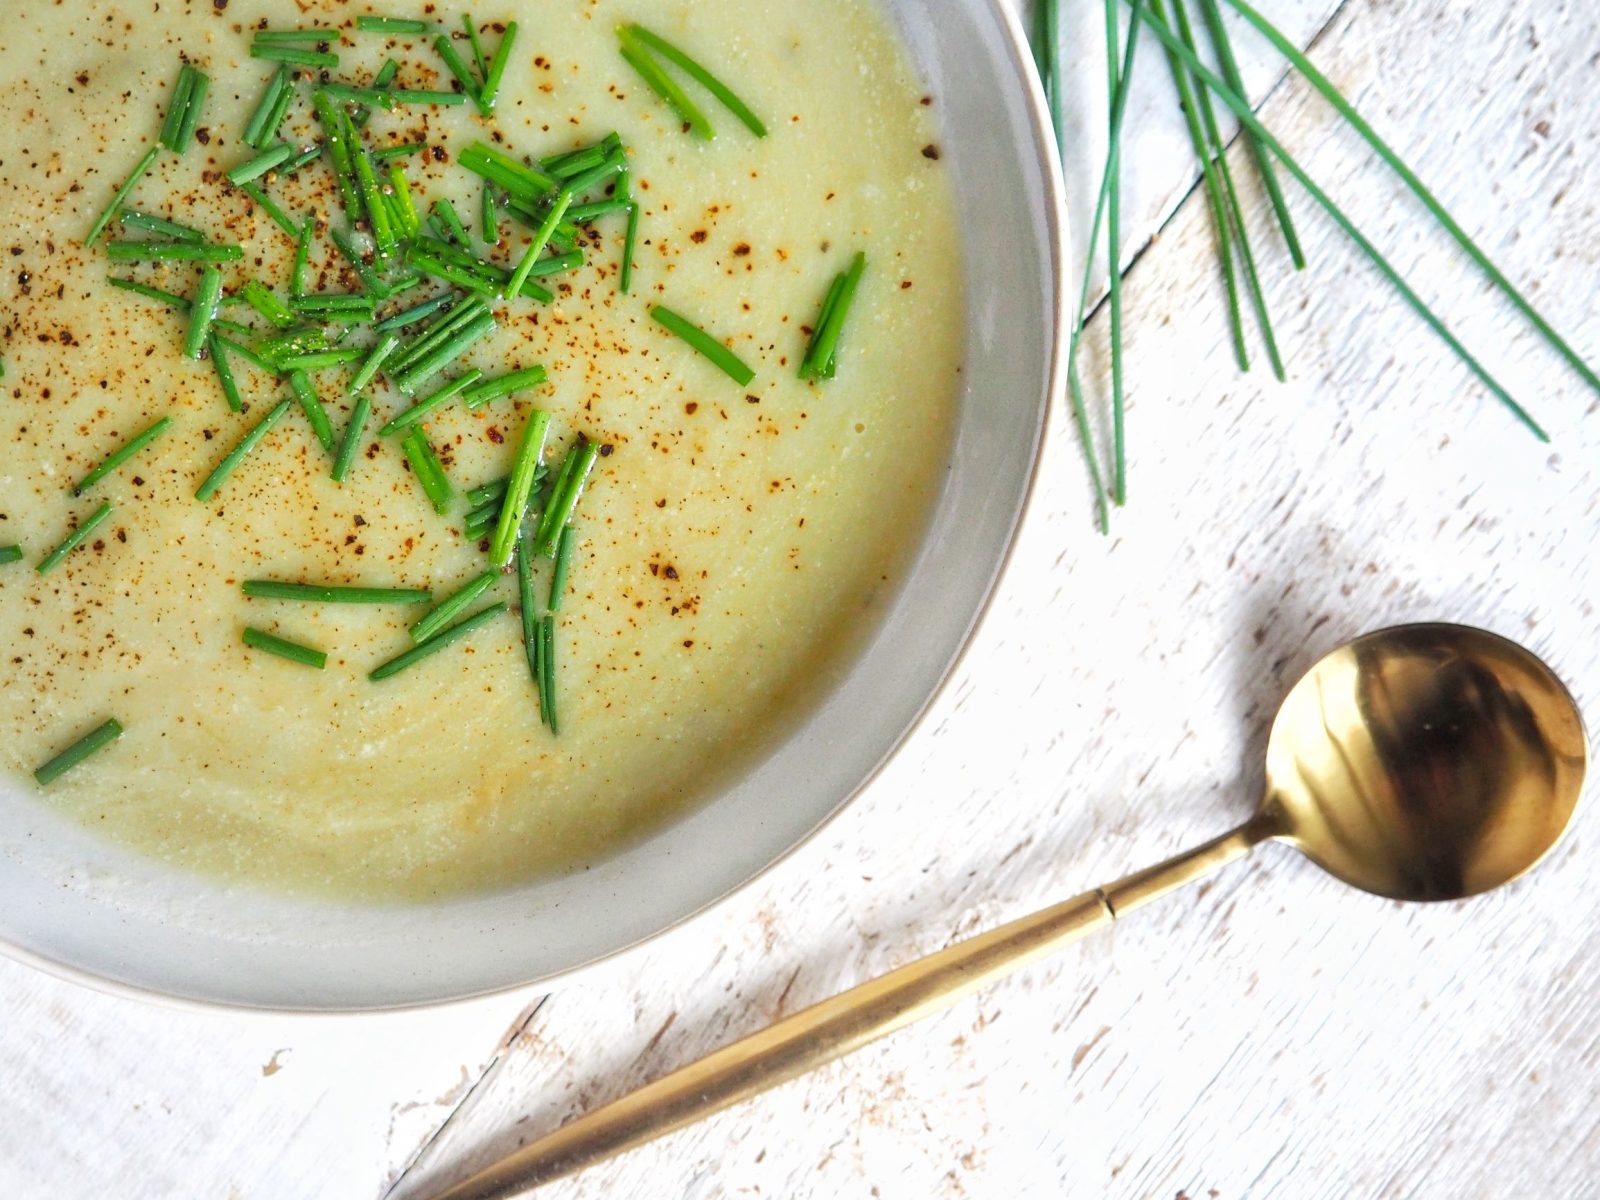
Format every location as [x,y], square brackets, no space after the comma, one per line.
[734,542]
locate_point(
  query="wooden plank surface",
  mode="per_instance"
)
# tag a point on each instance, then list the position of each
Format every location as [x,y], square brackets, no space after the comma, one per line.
[1272,1034]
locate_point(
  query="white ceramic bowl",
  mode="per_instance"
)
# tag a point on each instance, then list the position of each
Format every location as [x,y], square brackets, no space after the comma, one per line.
[75,906]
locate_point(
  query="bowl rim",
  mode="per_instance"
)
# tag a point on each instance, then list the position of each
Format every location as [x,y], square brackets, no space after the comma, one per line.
[1046,150]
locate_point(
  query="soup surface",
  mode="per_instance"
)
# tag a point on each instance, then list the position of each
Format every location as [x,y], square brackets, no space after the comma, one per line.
[729,547]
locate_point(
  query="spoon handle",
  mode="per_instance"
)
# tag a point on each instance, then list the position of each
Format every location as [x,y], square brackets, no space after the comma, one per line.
[833,1028]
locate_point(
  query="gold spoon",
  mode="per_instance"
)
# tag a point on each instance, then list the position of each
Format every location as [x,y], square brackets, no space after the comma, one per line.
[1423,762]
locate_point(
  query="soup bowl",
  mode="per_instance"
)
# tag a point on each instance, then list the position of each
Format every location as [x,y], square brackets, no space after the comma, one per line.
[89,910]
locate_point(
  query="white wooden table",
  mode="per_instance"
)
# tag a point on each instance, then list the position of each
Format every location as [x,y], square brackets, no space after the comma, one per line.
[1271,1035]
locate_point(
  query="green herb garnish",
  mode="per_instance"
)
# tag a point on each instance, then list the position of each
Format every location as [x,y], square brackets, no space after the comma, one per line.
[436,643]
[558,578]
[117,457]
[564,496]
[120,195]
[547,671]
[260,639]
[353,432]
[392,25]
[203,311]
[234,457]
[311,405]
[425,407]
[452,61]
[385,153]
[637,36]
[10,554]
[280,218]
[429,471]
[821,358]
[502,386]
[274,52]
[520,487]
[74,539]
[497,70]
[452,606]
[721,357]
[333,593]
[172,252]
[159,225]
[91,742]
[219,363]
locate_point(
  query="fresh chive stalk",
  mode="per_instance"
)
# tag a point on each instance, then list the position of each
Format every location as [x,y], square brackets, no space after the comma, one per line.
[502,386]
[219,363]
[256,132]
[429,471]
[558,578]
[821,358]
[273,52]
[451,229]
[249,355]
[273,210]
[517,179]
[402,25]
[631,237]
[122,454]
[436,643]
[373,363]
[321,360]
[261,298]
[354,430]
[177,107]
[720,356]
[172,252]
[489,215]
[159,225]
[202,312]
[639,36]
[74,539]
[385,153]
[90,743]
[497,70]
[338,147]
[446,50]
[234,457]
[384,241]
[411,316]
[416,374]
[258,166]
[453,606]
[564,498]
[1246,115]
[10,554]
[294,37]
[664,86]
[426,407]
[514,506]
[547,671]
[121,194]
[150,293]
[471,28]
[541,238]
[486,493]
[382,80]
[260,639]
[529,618]
[302,258]
[333,593]
[311,405]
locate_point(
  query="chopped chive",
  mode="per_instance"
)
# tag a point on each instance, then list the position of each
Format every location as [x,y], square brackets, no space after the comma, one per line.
[374,360]
[436,643]
[74,539]
[1246,115]
[384,241]
[219,363]
[192,110]
[452,606]
[121,455]
[418,373]
[280,110]
[260,639]
[392,25]
[295,57]
[426,467]
[405,207]
[663,85]
[311,404]
[564,499]
[267,205]
[369,278]
[412,315]
[518,179]
[502,386]
[235,456]
[580,213]
[486,492]
[171,252]
[497,70]
[177,108]
[554,264]
[480,521]
[95,740]
[353,432]
[333,593]
[320,360]
[558,580]
[460,276]
[442,327]
[302,258]
[514,505]
[478,59]
[1223,45]
[203,311]
[249,355]
[391,98]
[547,671]
[387,152]
[489,212]
[10,554]
[821,356]
[301,340]
[422,408]
[120,195]
[150,293]
[323,303]
[452,230]
[452,61]
[262,163]
[256,132]
[628,242]
[642,36]
[282,37]
[541,238]
[574,162]
[161,225]
[529,619]
[261,298]
[721,357]
[383,79]
[338,144]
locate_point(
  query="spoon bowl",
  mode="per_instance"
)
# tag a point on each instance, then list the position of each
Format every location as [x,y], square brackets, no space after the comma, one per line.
[1426,762]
